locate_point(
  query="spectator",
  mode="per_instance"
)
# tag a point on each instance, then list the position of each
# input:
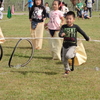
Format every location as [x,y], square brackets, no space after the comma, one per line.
[47,9]
[30,4]
[64,8]
[85,13]
[79,7]
[89,4]
[1,1]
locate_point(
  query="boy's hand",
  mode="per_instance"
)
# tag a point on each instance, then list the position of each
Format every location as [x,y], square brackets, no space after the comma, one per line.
[63,34]
[89,39]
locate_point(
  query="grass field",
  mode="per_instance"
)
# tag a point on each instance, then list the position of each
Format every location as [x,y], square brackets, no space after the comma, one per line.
[42,78]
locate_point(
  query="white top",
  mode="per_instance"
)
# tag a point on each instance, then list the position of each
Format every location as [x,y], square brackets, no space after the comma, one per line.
[47,9]
[85,12]
[65,9]
[1,9]
[89,3]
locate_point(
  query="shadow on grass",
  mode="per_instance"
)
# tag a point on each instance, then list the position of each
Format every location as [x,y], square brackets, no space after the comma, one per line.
[26,72]
[59,63]
[16,55]
[17,47]
[37,57]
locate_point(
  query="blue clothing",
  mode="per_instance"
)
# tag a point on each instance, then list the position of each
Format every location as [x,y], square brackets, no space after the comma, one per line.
[30,3]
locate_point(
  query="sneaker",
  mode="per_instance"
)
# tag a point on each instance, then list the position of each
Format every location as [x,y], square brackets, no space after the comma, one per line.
[66,73]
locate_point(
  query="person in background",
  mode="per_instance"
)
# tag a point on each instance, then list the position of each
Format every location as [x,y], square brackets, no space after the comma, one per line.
[89,5]
[47,9]
[30,4]
[37,16]
[69,33]
[85,13]
[79,7]
[1,3]
[64,8]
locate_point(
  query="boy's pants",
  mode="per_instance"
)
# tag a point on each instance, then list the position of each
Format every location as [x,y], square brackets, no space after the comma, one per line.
[90,11]
[68,53]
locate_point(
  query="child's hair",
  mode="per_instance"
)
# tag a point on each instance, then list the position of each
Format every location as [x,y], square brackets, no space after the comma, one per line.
[85,7]
[46,3]
[65,4]
[59,3]
[70,13]
[40,4]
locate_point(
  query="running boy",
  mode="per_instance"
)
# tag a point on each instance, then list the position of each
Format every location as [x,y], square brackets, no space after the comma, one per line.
[69,33]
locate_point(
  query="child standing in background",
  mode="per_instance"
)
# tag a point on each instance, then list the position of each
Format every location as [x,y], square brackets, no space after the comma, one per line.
[37,16]
[47,9]
[30,4]
[89,5]
[56,16]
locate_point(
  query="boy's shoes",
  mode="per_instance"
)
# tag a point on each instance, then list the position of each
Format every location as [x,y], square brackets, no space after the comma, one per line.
[66,73]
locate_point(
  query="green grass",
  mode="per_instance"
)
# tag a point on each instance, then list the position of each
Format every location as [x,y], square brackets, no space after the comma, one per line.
[42,78]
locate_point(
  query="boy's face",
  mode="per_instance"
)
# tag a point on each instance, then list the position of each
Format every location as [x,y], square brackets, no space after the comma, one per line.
[38,2]
[70,20]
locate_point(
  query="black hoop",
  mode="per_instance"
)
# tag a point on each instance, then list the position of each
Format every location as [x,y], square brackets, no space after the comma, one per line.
[1,52]
[72,64]
[30,58]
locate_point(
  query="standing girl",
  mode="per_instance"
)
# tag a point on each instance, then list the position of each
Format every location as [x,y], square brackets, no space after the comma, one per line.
[56,16]
[37,16]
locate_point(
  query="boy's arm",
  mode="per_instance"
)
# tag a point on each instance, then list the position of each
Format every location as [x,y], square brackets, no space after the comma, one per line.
[61,33]
[82,33]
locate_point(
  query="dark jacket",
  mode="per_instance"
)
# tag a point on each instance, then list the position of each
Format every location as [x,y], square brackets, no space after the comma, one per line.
[87,0]
[37,13]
